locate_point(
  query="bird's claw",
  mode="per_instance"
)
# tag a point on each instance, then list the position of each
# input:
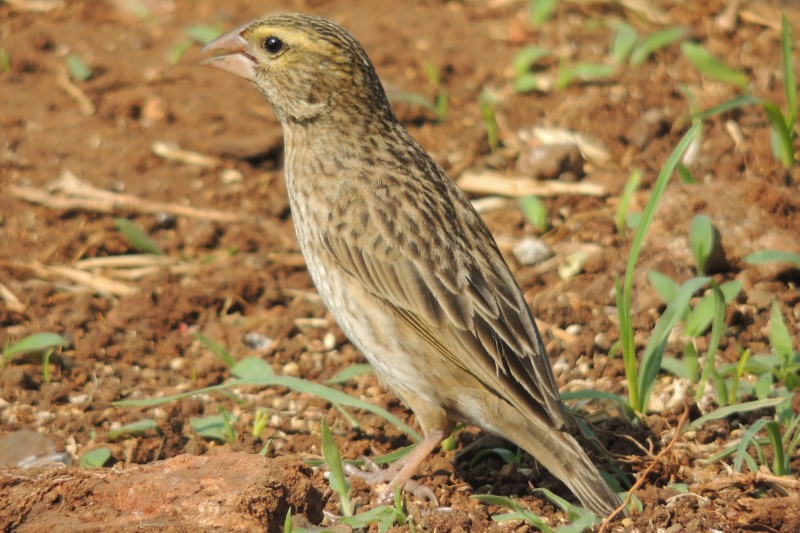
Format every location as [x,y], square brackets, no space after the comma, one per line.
[374,474]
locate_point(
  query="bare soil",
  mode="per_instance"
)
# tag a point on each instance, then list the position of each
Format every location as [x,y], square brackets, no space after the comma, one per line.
[240,273]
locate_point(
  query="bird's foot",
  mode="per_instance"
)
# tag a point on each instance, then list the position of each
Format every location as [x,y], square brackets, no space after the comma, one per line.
[391,476]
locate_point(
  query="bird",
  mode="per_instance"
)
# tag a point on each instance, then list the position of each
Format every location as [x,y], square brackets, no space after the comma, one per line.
[400,257]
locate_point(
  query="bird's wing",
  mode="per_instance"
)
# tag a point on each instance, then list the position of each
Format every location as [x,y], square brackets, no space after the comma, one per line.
[440,268]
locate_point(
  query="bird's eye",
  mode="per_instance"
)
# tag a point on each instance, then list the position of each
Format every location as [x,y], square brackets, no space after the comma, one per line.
[273,45]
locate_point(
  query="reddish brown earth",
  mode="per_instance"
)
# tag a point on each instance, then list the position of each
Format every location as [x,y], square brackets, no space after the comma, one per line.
[230,277]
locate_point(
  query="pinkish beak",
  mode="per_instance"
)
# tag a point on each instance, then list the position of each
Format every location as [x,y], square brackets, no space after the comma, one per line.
[236,59]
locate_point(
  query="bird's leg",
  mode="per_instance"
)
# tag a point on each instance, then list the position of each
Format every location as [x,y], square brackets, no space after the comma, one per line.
[436,426]
[412,461]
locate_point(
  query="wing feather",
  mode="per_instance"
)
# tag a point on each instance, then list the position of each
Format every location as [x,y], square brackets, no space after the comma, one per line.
[466,306]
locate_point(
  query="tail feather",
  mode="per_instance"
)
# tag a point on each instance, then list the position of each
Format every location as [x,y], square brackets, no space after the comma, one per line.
[560,453]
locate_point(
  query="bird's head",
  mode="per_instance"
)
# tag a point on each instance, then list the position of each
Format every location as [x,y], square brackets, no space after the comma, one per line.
[306,66]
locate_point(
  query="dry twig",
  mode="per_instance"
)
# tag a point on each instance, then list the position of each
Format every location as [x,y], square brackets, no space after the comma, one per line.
[12,302]
[96,283]
[495,183]
[757,478]
[85,104]
[643,475]
[79,195]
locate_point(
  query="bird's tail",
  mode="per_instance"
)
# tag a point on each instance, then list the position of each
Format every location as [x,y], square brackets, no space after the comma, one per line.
[560,453]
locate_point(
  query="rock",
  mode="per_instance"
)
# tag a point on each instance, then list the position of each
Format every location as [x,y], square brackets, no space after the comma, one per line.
[562,161]
[27,449]
[228,492]
[530,251]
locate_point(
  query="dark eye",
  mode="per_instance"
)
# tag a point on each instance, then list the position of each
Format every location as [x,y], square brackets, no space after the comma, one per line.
[273,45]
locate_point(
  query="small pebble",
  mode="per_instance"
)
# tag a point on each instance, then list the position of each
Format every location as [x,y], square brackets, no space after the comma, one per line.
[530,251]
[329,341]
[231,175]
[257,341]
[291,369]
[561,161]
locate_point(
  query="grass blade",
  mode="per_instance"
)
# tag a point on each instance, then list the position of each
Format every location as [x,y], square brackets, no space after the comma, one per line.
[770,256]
[653,353]
[717,325]
[351,372]
[134,428]
[724,412]
[711,67]
[338,480]
[624,292]
[296,384]
[789,84]
[729,105]
[37,342]
[783,137]
[137,237]
[655,41]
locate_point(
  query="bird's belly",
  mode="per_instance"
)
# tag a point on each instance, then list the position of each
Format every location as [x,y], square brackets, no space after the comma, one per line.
[372,327]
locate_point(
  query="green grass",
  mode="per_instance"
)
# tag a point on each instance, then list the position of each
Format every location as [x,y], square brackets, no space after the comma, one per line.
[641,377]
[137,237]
[782,124]
[253,371]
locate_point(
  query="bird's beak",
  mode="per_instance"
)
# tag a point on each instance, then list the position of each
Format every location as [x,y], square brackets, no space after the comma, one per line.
[236,59]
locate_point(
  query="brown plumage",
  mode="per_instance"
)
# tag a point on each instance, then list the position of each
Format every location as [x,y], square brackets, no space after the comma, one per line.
[402,260]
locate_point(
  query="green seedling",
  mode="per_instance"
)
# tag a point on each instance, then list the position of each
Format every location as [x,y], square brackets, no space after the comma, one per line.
[351,372]
[535,213]
[218,351]
[136,237]
[698,319]
[541,11]
[44,343]
[441,101]
[622,41]
[215,427]
[5,60]
[783,441]
[46,376]
[772,256]
[487,103]
[663,285]
[265,449]
[438,105]
[203,35]
[504,454]
[134,429]
[781,343]
[199,34]
[737,409]
[650,44]
[260,421]
[582,72]
[95,458]
[782,125]
[685,175]
[338,481]
[621,218]
[711,67]
[525,62]
[639,391]
[256,372]
[384,516]
[702,239]
[580,519]
[77,68]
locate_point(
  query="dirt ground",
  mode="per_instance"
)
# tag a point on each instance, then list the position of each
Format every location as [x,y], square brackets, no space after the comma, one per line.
[233,272]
